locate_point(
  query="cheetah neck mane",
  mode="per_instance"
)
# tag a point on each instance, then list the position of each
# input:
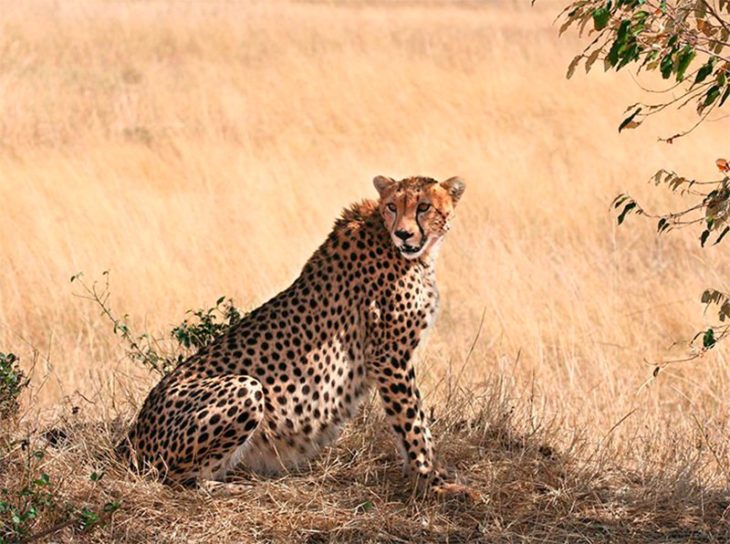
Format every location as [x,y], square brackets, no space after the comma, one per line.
[358,215]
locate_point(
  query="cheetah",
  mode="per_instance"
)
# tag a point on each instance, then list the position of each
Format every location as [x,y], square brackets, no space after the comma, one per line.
[278,386]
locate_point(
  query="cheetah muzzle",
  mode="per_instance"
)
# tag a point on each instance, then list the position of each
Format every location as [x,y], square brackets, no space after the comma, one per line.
[276,387]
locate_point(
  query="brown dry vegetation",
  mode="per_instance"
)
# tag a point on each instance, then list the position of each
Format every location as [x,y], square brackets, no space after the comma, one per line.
[201,149]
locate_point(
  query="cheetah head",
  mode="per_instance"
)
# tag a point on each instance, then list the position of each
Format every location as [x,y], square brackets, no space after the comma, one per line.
[417,211]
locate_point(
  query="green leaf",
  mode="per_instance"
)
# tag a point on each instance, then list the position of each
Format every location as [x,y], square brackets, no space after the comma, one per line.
[724,97]
[639,17]
[620,199]
[623,30]
[614,55]
[705,71]
[667,65]
[112,506]
[601,16]
[684,58]
[711,95]
[708,339]
[625,123]
[628,54]
[630,206]
[88,518]
[719,238]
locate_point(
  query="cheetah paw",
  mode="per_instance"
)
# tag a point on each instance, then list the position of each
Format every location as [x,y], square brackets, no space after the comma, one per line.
[455,492]
[222,489]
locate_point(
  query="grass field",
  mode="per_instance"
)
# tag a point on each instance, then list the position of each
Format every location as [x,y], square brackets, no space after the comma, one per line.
[204,149]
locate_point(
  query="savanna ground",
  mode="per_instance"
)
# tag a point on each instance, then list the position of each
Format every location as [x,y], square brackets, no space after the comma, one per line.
[201,149]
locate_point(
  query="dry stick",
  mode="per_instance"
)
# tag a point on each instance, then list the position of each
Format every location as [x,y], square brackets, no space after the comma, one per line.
[453,385]
[715,15]
[657,108]
[49,531]
[709,110]
[449,385]
[613,428]
[101,299]
[468,356]
[60,526]
[709,446]
[660,91]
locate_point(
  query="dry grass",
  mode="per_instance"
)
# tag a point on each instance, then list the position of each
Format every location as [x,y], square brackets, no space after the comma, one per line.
[202,149]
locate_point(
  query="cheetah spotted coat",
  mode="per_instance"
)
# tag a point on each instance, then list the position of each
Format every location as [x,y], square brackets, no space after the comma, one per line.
[278,386]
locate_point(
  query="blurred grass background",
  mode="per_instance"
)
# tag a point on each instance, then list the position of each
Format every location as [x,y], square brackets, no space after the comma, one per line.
[205,148]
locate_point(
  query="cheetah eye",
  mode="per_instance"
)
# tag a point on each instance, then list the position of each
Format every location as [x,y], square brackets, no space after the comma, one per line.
[423,207]
[391,207]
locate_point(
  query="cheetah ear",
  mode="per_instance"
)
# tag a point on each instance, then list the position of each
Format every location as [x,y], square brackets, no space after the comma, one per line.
[382,183]
[455,187]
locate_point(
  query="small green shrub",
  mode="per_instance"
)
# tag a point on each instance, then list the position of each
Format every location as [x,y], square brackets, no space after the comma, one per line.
[159,354]
[19,509]
[33,509]
[206,325]
[12,384]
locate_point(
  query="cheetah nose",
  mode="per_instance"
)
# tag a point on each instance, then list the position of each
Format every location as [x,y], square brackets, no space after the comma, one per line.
[403,234]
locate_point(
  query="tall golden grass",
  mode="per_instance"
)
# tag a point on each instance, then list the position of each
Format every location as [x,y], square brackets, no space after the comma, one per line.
[201,149]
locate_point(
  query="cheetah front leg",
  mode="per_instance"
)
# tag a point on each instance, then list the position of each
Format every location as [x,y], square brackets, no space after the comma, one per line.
[402,401]
[396,382]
